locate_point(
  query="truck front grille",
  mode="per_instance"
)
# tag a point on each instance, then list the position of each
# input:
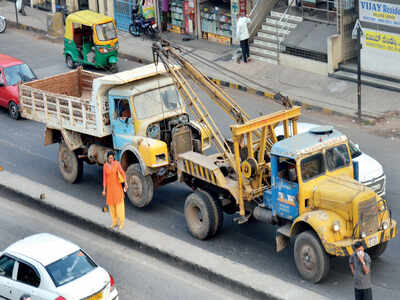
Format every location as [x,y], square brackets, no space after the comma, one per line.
[378,185]
[368,216]
[182,141]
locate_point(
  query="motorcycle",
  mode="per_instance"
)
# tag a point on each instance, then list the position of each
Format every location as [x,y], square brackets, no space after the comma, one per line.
[3,24]
[141,26]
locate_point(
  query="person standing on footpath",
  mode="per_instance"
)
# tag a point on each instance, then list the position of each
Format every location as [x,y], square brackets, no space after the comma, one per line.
[113,176]
[242,33]
[360,265]
[21,7]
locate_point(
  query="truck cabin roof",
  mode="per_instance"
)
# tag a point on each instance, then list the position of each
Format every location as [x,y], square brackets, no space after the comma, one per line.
[141,86]
[315,139]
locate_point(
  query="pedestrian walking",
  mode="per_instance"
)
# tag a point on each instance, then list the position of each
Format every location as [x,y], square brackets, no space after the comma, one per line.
[360,265]
[242,33]
[21,7]
[113,177]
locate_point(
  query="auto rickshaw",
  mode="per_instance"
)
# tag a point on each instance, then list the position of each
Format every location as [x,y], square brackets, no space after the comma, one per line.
[90,39]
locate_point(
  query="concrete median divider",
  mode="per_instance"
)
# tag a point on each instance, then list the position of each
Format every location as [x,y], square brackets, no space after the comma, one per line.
[232,275]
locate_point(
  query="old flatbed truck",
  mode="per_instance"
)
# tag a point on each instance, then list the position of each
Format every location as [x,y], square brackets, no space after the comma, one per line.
[83,112]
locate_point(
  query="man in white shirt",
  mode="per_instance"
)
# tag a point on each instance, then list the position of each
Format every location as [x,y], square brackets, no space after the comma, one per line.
[242,34]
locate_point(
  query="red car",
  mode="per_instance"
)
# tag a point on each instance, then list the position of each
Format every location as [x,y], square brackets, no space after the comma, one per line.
[12,71]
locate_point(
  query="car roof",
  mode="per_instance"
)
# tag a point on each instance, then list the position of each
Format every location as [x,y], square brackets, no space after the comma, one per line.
[307,142]
[6,60]
[43,247]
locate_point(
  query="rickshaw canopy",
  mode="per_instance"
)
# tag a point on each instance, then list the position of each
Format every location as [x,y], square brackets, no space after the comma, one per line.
[84,17]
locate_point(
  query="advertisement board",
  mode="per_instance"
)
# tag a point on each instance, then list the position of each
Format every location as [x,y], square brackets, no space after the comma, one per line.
[379,13]
[382,41]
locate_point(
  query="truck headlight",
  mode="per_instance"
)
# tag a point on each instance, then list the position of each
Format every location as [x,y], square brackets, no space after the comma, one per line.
[363,235]
[336,226]
[385,225]
[381,206]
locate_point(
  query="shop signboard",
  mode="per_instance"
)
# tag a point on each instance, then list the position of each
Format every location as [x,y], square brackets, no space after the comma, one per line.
[382,41]
[379,13]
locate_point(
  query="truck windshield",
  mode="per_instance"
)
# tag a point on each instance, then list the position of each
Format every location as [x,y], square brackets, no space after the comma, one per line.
[17,73]
[156,102]
[106,31]
[337,157]
[312,166]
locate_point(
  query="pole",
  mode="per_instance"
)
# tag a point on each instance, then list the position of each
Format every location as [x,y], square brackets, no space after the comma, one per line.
[16,11]
[359,73]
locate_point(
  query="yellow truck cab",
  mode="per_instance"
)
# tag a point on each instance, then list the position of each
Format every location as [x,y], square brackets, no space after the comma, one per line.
[314,193]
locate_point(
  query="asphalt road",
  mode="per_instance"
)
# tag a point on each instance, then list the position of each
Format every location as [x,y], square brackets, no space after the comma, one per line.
[137,276]
[22,152]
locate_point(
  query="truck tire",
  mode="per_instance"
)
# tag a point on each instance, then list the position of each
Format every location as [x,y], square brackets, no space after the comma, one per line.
[140,187]
[311,260]
[376,251]
[71,167]
[217,210]
[199,216]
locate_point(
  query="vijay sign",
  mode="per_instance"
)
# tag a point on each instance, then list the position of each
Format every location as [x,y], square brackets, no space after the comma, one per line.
[380,13]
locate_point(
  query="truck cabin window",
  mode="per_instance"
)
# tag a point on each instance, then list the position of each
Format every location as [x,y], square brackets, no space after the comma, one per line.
[122,109]
[156,102]
[287,169]
[312,166]
[337,157]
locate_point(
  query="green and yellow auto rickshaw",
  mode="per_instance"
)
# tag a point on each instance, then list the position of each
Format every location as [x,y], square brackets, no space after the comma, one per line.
[90,39]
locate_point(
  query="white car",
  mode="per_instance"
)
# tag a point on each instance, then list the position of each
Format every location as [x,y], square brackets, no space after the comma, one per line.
[370,172]
[47,267]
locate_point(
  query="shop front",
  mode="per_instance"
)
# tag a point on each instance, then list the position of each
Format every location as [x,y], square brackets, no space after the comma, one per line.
[123,11]
[381,37]
[213,20]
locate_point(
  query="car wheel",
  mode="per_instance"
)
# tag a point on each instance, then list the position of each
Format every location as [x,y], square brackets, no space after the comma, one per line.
[13,111]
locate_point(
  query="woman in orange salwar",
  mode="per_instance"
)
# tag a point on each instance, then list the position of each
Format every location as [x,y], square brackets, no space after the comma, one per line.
[113,191]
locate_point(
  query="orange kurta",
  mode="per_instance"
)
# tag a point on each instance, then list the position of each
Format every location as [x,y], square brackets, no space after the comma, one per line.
[114,191]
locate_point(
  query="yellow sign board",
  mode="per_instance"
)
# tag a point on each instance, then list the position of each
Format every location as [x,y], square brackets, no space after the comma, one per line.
[382,41]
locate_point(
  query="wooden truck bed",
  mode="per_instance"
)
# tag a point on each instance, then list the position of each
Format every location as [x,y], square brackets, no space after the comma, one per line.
[64,101]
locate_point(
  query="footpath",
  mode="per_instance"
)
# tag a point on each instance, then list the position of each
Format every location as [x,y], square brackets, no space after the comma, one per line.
[311,91]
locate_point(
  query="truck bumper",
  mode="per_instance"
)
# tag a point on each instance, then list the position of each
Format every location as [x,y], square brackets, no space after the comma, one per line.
[345,247]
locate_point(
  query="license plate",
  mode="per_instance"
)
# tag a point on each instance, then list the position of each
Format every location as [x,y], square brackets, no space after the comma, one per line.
[373,241]
[98,296]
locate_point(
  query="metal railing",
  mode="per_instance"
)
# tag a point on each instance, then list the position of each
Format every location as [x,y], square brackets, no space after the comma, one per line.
[284,26]
[258,14]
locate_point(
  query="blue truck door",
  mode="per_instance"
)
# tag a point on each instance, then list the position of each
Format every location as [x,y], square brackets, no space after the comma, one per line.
[285,189]
[121,121]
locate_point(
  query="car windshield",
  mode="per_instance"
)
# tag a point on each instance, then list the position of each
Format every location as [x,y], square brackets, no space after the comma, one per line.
[70,267]
[156,102]
[354,150]
[17,73]
[106,31]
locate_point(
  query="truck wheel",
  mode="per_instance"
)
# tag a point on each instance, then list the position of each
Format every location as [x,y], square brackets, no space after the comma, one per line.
[376,251]
[70,166]
[199,216]
[310,257]
[13,111]
[140,187]
[217,210]
[69,61]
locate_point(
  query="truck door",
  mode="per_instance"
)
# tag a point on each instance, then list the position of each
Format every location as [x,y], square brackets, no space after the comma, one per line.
[285,187]
[121,121]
